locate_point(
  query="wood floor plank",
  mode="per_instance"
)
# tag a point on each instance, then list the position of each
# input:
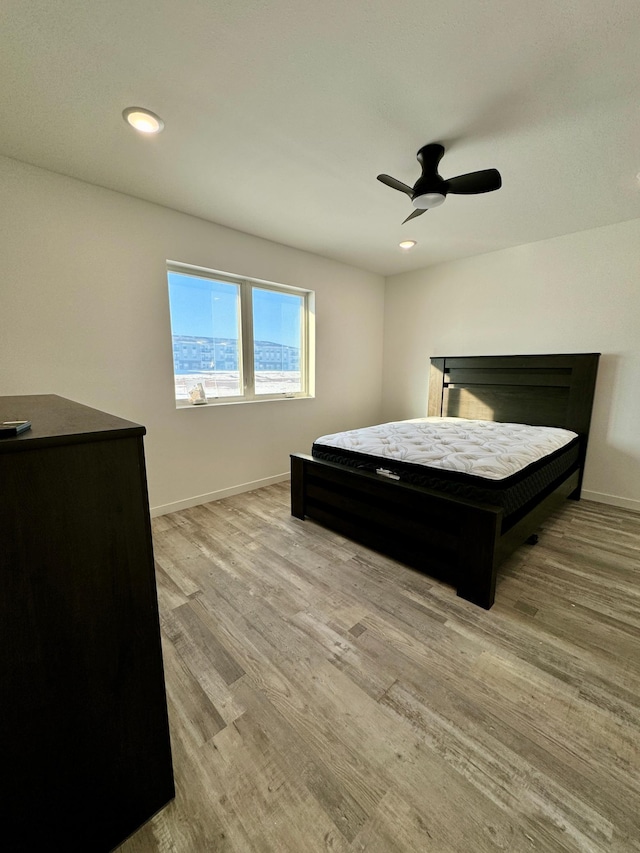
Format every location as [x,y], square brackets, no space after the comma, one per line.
[323,697]
[185,630]
[312,769]
[199,716]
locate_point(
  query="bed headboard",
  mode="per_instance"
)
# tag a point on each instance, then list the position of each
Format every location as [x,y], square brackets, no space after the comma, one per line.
[543,390]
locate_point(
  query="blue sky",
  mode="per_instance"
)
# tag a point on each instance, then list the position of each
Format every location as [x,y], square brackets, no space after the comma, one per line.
[202,306]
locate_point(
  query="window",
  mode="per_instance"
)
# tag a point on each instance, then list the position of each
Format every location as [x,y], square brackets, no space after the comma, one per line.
[240,339]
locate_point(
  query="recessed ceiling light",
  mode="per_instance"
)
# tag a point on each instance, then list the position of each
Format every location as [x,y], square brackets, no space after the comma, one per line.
[143,120]
[407,244]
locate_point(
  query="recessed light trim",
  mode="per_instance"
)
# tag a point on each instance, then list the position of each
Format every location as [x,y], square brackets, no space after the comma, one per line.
[143,120]
[407,244]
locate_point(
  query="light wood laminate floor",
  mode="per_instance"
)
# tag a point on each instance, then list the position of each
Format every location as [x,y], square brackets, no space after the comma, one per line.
[325,698]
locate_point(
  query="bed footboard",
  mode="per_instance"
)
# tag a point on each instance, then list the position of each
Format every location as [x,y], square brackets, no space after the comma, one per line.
[454,540]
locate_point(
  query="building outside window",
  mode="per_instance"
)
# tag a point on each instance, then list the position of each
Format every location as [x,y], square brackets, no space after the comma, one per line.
[241,339]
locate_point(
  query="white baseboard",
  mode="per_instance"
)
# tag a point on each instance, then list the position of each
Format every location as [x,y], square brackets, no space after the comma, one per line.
[612,500]
[216,496]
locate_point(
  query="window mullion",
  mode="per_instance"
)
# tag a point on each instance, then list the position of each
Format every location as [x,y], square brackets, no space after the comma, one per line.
[246,298]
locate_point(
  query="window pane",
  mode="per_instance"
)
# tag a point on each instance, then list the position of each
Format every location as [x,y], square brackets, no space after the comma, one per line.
[205,326]
[277,341]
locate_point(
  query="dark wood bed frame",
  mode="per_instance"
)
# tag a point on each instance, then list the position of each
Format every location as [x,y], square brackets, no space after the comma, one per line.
[460,541]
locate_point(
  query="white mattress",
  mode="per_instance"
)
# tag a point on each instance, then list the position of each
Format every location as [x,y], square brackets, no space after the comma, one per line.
[486,449]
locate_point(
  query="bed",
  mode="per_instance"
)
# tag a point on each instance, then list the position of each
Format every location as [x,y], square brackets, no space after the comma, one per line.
[459,536]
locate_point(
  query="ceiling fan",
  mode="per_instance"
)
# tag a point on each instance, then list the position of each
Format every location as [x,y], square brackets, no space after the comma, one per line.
[430,189]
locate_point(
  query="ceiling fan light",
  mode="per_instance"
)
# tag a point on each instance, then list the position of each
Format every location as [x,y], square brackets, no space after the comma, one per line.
[427,200]
[143,120]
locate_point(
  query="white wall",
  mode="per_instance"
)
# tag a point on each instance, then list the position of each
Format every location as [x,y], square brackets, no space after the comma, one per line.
[84,314]
[577,293]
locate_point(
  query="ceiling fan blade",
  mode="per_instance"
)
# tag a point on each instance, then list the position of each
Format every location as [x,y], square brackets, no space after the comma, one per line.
[395,184]
[414,214]
[475,182]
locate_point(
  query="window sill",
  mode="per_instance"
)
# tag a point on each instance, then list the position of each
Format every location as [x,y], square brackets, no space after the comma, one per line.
[180,405]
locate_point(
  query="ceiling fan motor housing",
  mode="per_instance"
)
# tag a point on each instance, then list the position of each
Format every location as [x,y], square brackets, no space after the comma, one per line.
[430,189]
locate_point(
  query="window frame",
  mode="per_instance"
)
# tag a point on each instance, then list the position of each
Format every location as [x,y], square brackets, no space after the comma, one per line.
[246,349]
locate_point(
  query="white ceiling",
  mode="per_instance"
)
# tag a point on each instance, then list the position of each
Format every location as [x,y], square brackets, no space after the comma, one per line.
[279,115]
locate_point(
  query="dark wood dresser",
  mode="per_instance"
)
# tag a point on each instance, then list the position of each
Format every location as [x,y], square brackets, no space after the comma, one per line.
[85,755]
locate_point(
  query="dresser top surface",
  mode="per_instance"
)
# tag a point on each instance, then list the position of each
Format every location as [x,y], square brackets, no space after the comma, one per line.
[56,420]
